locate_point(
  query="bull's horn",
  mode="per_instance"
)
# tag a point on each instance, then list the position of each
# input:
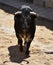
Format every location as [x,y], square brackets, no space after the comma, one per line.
[18,12]
[33,13]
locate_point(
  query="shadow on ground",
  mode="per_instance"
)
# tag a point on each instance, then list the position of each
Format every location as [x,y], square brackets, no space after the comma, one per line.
[8,9]
[16,55]
[49,52]
[40,21]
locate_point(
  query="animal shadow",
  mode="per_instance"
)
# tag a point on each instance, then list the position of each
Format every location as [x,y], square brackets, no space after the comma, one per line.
[16,55]
[49,52]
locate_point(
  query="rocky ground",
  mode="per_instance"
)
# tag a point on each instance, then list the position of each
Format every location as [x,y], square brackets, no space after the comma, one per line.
[41,49]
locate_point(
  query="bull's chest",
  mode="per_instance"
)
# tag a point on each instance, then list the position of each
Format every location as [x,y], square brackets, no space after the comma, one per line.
[25,34]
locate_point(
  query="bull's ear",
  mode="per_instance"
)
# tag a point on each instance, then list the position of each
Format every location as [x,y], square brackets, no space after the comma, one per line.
[34,15]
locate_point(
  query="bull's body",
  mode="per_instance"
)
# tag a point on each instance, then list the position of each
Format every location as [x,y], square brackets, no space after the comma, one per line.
[25,27]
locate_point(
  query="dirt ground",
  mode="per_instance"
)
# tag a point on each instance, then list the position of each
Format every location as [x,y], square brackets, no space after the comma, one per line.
[41,49]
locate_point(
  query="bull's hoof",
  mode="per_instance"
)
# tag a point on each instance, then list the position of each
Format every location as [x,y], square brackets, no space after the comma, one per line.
[27,53]
[21,49]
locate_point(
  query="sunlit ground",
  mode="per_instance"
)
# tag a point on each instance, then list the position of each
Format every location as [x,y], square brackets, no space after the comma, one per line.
[43,42]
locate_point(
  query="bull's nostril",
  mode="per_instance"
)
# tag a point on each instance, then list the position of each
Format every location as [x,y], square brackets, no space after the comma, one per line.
[25,27]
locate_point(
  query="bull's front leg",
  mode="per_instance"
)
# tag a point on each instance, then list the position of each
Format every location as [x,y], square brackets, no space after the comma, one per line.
[27,47]
[28,44]
[20,44]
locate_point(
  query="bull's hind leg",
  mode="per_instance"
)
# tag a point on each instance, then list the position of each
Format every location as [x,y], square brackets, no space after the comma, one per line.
[20,44]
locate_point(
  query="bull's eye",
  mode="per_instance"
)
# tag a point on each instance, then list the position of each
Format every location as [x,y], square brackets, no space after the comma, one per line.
[29,19]
[21,20]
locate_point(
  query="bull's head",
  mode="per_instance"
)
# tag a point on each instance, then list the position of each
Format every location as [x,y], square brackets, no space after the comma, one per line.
[27,17]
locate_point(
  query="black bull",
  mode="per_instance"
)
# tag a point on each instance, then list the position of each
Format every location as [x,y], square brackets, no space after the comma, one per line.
[25,26]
